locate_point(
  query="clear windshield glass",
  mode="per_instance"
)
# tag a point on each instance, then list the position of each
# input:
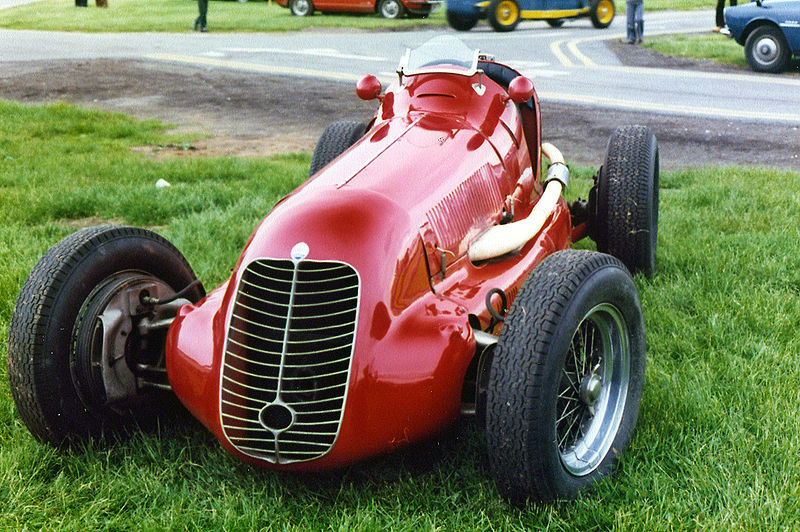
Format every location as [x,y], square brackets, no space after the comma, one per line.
[440,54]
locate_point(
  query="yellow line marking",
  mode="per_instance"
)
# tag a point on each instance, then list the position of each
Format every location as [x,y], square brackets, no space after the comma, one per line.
[561,56]
[572,46]
[666,108]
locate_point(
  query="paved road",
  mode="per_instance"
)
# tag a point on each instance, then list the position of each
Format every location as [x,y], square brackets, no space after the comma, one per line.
[569,65]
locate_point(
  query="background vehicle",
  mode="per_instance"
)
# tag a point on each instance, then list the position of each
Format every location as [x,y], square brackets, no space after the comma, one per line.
[504,15]
[368,309]
[385,8]
[769,32]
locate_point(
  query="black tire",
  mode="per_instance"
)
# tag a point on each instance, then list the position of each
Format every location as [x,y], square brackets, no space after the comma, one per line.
[336,138]
[391,9]
[602,13]
[460,22]
[301,8]
[570,297]
[766,50]
[626,221]
[504,15]
[555,22]
[57,390]
[422,12]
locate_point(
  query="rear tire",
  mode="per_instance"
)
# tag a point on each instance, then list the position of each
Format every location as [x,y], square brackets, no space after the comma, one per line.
[766,50]
[423,12]
[566,379]
[626,220]
[53,371]
[460,22]
[336,138]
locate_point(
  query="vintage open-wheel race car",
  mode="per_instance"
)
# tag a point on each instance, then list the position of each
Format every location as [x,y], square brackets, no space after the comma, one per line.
[504,15]
[368,309]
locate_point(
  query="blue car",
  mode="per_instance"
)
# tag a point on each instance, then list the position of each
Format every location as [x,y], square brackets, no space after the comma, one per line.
[504,15]
[769,32]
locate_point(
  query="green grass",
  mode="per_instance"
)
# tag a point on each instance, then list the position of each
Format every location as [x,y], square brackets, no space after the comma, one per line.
[253,16]
[717,441]
[178,16]
[712,46]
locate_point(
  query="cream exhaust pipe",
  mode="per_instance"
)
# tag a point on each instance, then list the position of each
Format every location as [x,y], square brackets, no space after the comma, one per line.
[502,239]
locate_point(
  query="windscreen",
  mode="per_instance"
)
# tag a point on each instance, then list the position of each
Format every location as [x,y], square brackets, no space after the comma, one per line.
[440,54]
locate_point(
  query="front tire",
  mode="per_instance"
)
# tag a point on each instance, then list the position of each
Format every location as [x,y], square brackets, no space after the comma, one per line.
[460,22]
[566,379]
[68,314]
[602,13]
[504,15]
[766,50]
[626,220]
[391,9]
[336,138]
[301,8]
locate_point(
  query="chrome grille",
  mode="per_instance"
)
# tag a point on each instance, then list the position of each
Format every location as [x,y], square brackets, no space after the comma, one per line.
[287,358]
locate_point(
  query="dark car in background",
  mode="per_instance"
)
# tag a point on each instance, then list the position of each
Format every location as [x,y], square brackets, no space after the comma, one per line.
[769,32]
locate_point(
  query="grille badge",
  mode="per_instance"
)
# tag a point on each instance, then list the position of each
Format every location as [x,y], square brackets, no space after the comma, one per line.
[299,252]
[276,417]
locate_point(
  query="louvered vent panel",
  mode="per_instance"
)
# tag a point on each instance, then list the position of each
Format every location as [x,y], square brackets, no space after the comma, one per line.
[476,200]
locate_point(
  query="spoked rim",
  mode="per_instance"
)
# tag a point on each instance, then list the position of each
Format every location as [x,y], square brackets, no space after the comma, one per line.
[592,389]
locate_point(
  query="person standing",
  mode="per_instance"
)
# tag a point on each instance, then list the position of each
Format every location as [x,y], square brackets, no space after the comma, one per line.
[721,14]
[200,22]
[634,9]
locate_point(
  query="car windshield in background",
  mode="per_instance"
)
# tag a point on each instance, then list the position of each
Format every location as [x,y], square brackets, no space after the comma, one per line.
[445,54]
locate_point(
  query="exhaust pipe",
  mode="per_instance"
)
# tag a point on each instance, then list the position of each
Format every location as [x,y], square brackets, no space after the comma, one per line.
[502,239]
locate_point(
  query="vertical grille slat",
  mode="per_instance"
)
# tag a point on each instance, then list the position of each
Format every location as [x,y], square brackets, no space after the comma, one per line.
[290,343]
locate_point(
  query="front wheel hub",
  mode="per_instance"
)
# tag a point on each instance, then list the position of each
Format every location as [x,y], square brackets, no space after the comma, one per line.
[591,387]
[767,50]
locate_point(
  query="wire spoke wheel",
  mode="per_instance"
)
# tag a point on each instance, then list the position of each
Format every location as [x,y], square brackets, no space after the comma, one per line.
[566,378]
[592,391]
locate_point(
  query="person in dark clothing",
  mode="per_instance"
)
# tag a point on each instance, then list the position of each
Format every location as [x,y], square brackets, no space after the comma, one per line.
[200,22]
[720,15]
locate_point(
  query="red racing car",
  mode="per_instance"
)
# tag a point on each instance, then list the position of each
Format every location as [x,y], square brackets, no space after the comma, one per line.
[390,9]
[423,272]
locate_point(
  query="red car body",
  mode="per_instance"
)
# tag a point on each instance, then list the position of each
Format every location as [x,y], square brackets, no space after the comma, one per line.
[362,6]
[400,208]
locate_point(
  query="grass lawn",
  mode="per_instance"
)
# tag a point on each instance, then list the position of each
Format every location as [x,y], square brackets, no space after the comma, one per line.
[712,46]
[717,440]
[178,15]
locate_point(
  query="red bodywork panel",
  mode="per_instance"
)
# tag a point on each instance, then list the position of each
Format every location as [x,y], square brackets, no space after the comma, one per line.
[400,207]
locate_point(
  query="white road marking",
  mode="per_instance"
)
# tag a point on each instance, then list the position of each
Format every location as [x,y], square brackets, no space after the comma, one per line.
[316,52]
[711,112]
